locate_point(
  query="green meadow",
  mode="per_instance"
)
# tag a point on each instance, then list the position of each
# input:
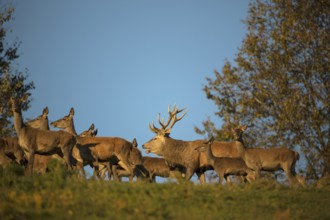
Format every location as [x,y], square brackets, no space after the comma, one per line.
[63,195]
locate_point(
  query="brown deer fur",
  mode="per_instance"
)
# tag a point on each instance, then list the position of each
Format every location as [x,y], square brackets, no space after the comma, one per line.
[175,152]
[226,166]
[97,149]
[34,141]
[271,159]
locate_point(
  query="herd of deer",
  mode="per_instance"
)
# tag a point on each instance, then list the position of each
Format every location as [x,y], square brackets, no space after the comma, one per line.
[35,145]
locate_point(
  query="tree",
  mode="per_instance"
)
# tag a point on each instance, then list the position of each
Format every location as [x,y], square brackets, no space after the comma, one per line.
[279,82]
[12,81]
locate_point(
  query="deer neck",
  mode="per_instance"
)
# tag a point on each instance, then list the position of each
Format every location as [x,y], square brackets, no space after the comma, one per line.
[45,125]
[240,146]
[70,129]
[18,121]
[209,156]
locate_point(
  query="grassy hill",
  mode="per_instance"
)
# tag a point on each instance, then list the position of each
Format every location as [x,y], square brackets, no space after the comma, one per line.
[63,195]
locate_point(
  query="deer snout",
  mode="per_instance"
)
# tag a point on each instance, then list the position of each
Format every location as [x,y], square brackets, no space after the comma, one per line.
[53,123]
[146,148]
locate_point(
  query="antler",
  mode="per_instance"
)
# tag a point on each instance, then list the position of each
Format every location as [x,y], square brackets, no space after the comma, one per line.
[153,128]
[172,119]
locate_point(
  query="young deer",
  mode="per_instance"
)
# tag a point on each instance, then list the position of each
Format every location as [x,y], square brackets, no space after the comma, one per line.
[272,159]
[226,166]
[41,122]
[35,141]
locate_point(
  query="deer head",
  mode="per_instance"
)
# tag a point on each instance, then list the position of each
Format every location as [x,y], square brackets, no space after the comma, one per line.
[238,132]
[156,144]
[91,132]
[17,103]
[135,157]
[64,122]
[40,122]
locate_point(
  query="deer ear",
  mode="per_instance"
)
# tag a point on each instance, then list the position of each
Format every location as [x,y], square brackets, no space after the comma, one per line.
[91,127]
[45,111]
[71,112]
[95,133]
[134,142]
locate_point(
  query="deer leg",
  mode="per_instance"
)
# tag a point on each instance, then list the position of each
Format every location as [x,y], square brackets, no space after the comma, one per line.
[220,178]
[115,173]
[96,172]
[80,167]
[31,161]
[102,170]
[258,173]
[66,155]
[201,177]
[288,171]
[250,177]
[227,178]
[19,155]
[189,173]
[109,169]
[124,164]
[131,177]
[96,163]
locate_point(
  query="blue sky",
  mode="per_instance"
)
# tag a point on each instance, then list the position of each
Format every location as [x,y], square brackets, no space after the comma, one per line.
[120,63]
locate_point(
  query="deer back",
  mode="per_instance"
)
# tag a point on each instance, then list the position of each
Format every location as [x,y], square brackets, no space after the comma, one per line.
[105,147]
[44,141]
[270,157]
[220,149]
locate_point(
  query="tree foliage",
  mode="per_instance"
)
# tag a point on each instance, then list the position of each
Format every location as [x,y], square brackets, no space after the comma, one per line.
[12,81]
[279,82]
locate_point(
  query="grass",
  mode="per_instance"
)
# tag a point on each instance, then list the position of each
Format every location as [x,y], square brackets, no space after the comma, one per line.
[63,195]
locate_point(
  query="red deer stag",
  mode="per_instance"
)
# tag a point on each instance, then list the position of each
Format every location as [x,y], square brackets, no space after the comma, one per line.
[175,152]
[35,141]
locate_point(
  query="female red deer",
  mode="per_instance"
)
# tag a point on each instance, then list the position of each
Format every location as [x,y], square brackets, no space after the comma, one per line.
[98,149]
[35,141]
[226,166]
[271,159]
